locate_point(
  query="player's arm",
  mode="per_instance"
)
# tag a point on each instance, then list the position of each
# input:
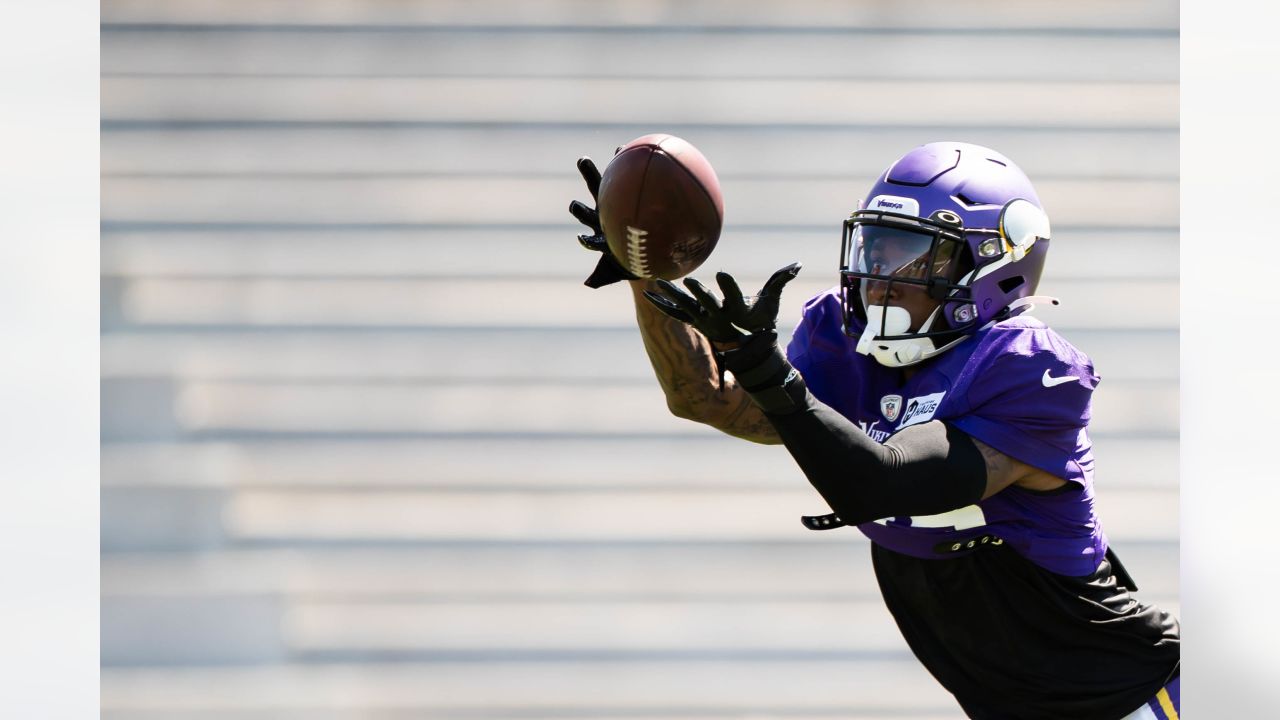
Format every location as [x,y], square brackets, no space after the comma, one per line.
[925,469]
[1003,471]
[685,366]
[682,358]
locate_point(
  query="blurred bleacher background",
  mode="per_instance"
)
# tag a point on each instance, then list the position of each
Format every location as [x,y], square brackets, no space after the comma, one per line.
[371,450]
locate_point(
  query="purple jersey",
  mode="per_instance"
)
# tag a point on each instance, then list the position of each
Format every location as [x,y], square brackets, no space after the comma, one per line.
[1016,386]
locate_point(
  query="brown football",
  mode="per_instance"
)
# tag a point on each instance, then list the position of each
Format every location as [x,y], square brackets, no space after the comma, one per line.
[660,207]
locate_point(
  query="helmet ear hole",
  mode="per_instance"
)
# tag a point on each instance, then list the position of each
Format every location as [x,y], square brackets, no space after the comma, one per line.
[1010,284]
[947,217]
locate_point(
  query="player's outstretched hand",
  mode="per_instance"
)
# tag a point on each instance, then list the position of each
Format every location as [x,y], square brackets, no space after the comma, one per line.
[608,270]
[762,312]
[733,321]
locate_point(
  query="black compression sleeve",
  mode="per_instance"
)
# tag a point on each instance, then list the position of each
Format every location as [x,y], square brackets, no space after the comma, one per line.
[924,469]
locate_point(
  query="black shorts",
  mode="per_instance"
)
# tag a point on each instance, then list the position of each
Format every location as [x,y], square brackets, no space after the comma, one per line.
[1014,641]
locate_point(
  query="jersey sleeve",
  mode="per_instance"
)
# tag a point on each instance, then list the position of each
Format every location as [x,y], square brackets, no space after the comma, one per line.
[807,345]
[1029,395]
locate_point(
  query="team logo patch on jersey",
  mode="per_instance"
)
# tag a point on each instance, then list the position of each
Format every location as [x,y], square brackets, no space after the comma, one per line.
[890,405]
[921,409]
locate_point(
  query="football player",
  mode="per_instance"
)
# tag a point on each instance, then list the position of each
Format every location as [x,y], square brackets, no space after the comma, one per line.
[951,428]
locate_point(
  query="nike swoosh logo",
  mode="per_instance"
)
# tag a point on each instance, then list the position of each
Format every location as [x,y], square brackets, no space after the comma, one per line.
[1050,381]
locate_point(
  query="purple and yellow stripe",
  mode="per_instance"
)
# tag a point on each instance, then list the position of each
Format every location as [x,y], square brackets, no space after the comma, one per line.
[1165,704]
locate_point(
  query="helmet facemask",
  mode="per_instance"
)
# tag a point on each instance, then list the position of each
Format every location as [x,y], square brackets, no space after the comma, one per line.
[893,264]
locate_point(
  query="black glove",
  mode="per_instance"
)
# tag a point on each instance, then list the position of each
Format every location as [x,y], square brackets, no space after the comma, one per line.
[733,321]
[750,328]
[608,270]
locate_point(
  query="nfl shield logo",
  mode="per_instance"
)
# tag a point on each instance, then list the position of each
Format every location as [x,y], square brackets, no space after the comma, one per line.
[890,406]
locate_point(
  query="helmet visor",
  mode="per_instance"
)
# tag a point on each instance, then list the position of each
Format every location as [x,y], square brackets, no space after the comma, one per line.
[902,261]
[892,253]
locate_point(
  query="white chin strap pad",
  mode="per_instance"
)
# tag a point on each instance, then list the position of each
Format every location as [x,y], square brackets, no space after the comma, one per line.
[894,320]
[891,353]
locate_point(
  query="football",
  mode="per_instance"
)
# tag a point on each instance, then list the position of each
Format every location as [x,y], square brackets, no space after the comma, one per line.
[660,207]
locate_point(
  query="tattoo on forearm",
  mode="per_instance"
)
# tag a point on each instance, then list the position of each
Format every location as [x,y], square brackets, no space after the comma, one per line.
[679,356]
[685,368]
[747,420]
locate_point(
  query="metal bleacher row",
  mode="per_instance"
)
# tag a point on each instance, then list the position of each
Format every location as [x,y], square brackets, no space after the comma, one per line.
[371,450]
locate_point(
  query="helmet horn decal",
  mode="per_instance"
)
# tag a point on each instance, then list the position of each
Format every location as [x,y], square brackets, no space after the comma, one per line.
[1021,224]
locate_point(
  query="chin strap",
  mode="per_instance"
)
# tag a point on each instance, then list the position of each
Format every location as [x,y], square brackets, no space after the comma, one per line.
[893,320]
[1029,302]
[896,321]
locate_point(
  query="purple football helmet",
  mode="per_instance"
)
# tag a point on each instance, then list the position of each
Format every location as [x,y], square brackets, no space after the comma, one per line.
[960,221]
